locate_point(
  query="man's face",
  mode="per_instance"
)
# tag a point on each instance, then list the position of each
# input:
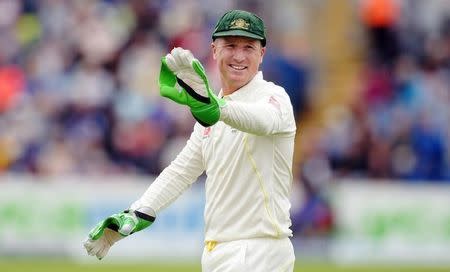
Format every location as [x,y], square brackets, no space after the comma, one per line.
[238,59]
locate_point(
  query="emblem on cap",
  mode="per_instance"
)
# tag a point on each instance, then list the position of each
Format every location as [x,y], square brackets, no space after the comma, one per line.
[239,23]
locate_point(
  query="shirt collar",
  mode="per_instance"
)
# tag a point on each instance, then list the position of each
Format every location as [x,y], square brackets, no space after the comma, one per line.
[244,90]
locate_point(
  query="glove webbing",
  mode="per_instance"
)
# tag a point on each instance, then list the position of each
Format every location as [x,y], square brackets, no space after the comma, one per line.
[191,92]
[196,96]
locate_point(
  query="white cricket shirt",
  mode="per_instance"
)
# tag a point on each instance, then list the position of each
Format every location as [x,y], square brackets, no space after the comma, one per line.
[247,157]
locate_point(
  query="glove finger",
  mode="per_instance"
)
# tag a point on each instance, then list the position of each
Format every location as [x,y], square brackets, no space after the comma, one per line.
[171,63]
[93,247]
[102,252]
[92,250]
[175,53]
[182,57]
[88,244]
[186,58]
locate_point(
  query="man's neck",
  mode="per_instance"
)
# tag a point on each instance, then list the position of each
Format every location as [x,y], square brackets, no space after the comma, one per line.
[227,89]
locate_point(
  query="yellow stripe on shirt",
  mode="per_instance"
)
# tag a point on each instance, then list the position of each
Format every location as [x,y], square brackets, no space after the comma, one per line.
[261,186]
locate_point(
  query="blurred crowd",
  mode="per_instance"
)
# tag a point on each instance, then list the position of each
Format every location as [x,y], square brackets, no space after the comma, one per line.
[78,87]
[78,83]
[398,127]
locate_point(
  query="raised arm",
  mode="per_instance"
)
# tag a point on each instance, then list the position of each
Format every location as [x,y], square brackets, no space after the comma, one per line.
[271,114]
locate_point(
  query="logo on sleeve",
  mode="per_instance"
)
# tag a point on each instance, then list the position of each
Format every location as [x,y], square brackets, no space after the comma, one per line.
[274,102]
[206,132]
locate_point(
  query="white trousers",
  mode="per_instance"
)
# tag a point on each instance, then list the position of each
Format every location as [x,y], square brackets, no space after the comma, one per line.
[250,255]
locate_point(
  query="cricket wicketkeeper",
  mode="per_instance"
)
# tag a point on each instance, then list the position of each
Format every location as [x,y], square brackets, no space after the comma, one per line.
[244,140]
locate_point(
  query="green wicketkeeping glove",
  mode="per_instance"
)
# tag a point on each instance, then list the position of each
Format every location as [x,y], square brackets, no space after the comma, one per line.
[115,227]
[183,79]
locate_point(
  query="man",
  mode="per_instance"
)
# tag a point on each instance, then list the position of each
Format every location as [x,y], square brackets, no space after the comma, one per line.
[244,140]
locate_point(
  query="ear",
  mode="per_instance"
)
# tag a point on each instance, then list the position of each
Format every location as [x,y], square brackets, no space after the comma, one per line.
[213,50]
[263,51]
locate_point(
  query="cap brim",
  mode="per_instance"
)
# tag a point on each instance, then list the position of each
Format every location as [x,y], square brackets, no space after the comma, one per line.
[237,32]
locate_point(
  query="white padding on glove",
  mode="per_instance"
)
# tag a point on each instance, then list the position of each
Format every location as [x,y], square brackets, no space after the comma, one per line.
[179,60]
[100,247]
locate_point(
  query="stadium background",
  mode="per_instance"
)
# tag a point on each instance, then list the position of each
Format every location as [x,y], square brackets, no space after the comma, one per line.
[83,130]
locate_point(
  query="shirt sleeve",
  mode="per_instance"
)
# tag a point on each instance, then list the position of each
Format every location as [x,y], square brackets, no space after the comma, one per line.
[271,114]
[177,177]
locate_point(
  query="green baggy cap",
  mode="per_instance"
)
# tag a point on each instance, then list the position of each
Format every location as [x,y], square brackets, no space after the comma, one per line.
[240,23]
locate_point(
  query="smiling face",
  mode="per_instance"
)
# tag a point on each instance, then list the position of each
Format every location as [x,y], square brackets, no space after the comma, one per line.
[238,59]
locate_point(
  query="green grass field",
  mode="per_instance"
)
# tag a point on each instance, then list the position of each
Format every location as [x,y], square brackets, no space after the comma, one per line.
[67,266]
